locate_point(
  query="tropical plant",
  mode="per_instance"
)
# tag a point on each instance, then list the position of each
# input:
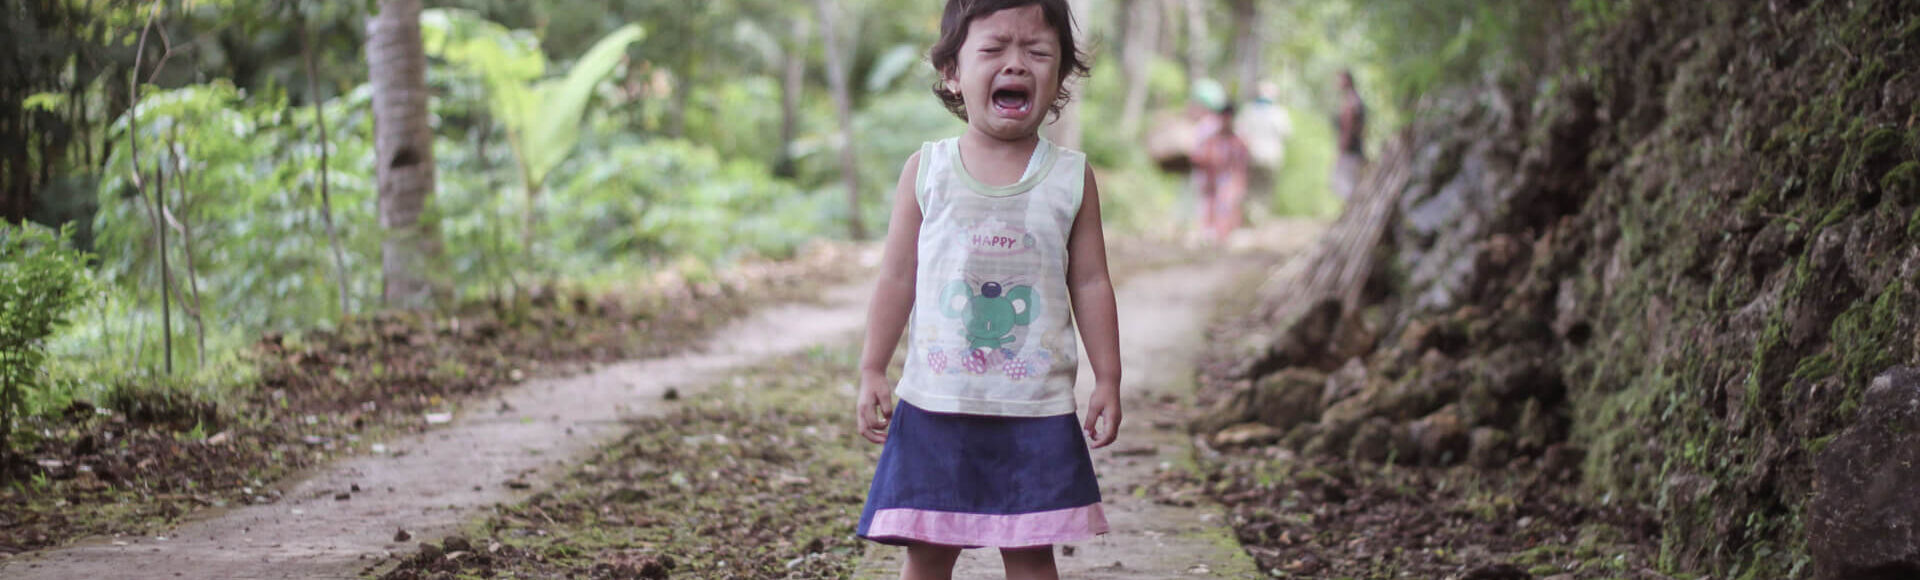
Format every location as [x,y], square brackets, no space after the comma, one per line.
[237,186]
[42,279]
[542,116]
[672,198]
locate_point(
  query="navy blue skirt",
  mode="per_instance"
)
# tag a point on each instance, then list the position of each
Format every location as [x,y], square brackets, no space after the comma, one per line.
[982,481]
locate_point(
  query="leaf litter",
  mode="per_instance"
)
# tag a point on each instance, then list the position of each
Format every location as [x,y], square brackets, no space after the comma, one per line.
[754,478]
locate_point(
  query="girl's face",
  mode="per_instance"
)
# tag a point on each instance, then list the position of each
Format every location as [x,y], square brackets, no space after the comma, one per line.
[1008,72]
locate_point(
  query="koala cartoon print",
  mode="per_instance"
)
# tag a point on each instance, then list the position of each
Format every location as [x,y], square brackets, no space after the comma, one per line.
[990,314]
[993,306]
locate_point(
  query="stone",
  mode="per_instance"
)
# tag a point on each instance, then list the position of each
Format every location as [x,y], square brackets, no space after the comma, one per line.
[1437,381]
[1346,382]
[1228,411]
[1521,371]
[1288,398]
[1488,447]
[1304,342]
[1373,442]
[1440,438]
[1300,436]
[1769,249]
[1283,399]
[1356,335]
[1313,331]
[1246,435]
[1569,322]
[1864,521]
[1349,412]
[1561,461]
[1813,316]
[1537,427]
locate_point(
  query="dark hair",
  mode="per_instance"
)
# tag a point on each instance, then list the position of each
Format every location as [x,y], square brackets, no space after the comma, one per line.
[959,15]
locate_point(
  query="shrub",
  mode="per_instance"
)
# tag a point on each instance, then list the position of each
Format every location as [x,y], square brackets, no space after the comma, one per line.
[41,279]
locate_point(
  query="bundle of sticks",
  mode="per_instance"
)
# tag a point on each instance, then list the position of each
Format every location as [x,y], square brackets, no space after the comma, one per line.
[1337,266]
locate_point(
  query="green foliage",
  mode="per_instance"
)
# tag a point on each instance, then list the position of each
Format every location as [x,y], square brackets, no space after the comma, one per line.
[542,116]
[891,128]
[41,281]
[737,116]
[665,199]
[1301,185]
[1423,45]
[241,192]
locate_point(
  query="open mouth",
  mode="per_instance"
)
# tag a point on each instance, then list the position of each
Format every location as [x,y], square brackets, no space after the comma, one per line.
[1012,101]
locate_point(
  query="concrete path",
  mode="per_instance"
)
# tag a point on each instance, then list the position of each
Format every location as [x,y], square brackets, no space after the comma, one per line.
[430,483]
[1163,318]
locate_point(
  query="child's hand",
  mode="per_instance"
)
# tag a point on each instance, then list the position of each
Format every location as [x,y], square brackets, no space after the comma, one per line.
[1105,404]
[874,407]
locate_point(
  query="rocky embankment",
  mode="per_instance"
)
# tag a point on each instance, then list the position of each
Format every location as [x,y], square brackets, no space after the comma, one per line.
[1682,273]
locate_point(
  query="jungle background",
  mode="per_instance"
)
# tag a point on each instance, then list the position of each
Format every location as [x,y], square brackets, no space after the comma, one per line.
[700,134]
[1646,258]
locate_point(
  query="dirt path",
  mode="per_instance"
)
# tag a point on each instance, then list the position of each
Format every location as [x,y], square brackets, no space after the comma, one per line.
[1163,315]
[429,483]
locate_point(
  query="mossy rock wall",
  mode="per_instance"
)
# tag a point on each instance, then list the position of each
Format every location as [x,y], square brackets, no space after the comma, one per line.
[1683,257]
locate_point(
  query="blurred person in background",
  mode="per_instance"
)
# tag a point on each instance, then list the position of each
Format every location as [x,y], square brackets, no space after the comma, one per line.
[1265,126]
[1220,164]
[1351,123]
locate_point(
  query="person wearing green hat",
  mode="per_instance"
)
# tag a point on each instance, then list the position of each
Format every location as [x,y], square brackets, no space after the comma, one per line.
[1220,163]
[1208,93]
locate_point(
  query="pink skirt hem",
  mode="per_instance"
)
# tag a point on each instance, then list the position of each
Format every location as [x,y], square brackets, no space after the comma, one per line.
[989,530]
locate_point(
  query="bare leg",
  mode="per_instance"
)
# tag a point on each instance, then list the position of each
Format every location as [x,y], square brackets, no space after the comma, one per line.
[1030,563]
[1202,182]
[1232,193]
[929,562]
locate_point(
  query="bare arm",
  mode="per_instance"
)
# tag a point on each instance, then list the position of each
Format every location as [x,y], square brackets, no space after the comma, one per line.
[1095,313]
[892,302]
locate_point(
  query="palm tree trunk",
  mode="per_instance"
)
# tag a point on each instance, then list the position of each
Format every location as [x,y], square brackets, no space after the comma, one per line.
[837,62]
[403,153]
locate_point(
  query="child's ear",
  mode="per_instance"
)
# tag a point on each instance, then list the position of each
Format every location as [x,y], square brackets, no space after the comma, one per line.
[947,81]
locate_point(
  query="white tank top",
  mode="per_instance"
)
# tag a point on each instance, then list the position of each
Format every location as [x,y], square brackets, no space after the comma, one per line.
[992,330]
